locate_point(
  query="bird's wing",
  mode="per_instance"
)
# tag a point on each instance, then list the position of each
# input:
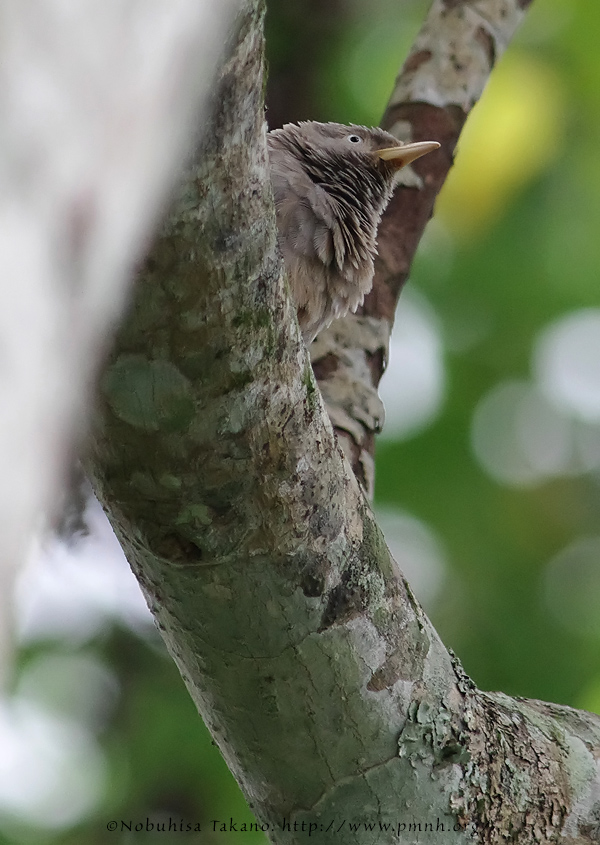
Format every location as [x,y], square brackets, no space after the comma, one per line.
[306,218]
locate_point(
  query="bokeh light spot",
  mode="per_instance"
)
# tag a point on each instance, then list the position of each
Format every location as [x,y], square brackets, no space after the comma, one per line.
[417,552]
[73,684]
[51,770]
[519,437]
[572,587]
[412,389]
[566,362]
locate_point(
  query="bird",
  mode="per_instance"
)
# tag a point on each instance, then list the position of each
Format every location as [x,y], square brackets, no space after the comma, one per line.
[331,183]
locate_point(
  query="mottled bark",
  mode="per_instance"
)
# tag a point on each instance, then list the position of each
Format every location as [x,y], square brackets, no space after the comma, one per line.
[440,82]
[326,687]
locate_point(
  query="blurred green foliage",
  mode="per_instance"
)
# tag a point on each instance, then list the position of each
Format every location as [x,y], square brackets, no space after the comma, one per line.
[516,247]
[526,255]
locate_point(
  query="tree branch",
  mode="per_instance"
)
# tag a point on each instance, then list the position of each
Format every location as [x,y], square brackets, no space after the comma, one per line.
[440,82]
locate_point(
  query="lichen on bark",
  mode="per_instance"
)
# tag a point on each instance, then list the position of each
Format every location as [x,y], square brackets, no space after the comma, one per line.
[324,684]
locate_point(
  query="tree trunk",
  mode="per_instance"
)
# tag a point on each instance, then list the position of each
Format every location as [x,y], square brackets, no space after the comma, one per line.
[327,689]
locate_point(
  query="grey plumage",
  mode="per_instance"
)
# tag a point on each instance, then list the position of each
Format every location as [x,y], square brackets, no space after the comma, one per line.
[331,184]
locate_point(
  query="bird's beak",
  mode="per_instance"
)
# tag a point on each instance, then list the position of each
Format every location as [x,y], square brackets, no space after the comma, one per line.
[401,156]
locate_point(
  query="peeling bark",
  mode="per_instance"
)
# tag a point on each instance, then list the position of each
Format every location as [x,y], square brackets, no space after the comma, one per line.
[324,684]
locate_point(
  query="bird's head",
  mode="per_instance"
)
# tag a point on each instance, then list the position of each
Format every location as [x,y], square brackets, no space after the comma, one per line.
[349,146]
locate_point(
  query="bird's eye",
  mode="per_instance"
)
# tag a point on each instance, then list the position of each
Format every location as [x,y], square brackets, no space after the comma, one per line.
[354,139]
